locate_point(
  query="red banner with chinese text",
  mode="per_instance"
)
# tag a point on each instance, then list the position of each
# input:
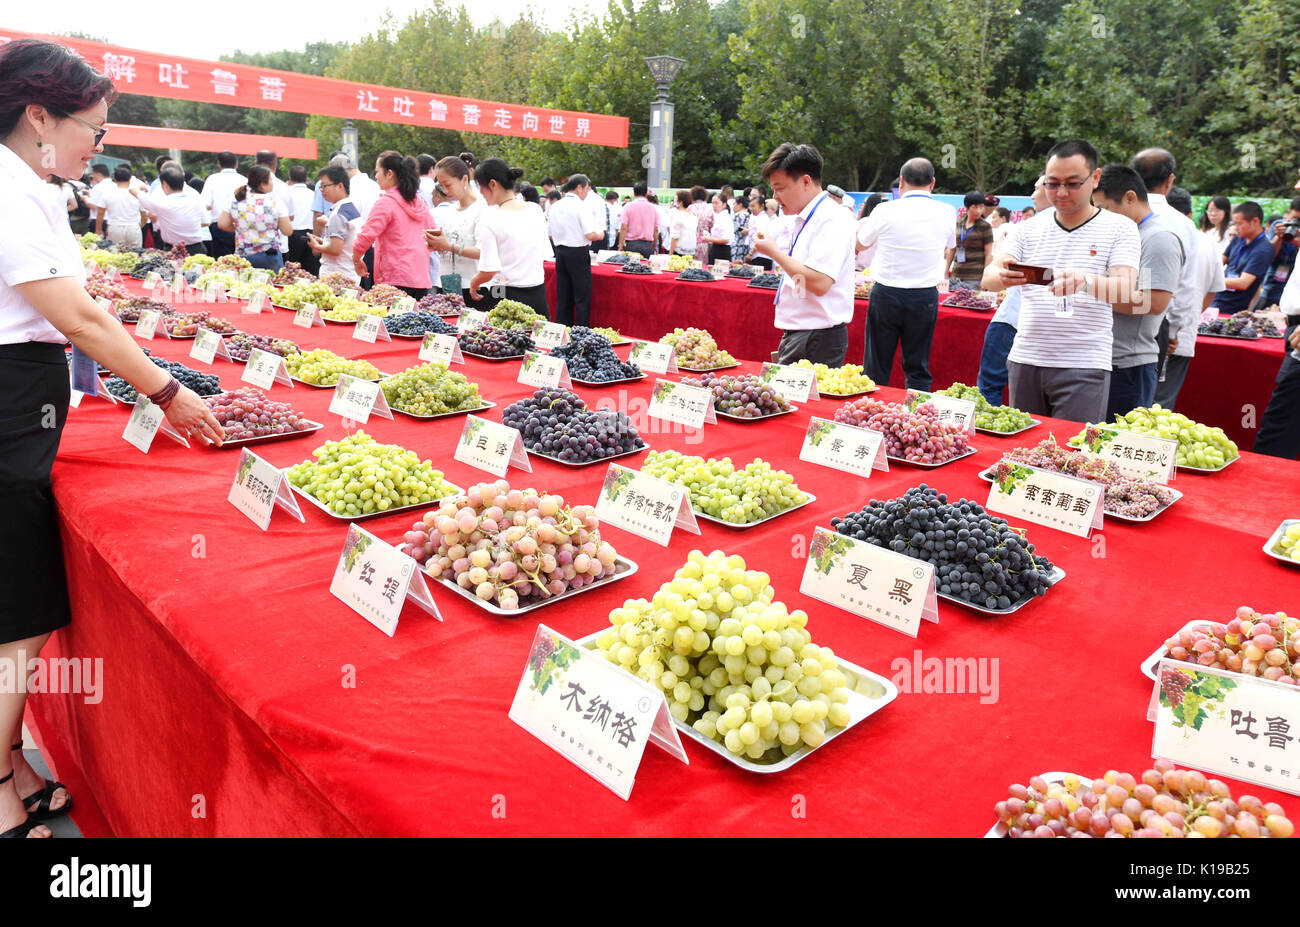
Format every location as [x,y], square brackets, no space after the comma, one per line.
[304,149]
[159,75]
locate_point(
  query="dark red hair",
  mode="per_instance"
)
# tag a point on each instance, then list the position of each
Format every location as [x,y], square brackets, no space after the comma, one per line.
[46,74]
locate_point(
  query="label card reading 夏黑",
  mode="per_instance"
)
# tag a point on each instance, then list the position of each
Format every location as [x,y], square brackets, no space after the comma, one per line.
[876,583]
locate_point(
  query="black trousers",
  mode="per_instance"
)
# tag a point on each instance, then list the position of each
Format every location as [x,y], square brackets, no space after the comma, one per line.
[903,316]
[34,393]
[572,285]
[197,247]
[1279,429]
[643,248]
[417,292]
[719,253]
[535,296]
[300,252]
[222,243]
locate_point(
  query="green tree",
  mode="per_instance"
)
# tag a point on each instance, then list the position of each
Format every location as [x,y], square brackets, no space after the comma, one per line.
[959,101]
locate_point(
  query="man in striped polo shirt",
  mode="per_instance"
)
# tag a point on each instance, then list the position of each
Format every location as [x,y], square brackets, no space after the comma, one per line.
[1060,362]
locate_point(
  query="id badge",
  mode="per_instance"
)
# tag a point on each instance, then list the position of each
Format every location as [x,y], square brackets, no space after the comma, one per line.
[1280,275]
[960,257]
[1065,307]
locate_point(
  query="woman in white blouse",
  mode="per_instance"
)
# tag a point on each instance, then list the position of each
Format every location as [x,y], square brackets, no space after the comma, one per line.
[512,240]
[682,226]
[457,240]
[53,107]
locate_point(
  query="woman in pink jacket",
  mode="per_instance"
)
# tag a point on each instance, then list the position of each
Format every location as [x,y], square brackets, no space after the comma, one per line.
[396,227]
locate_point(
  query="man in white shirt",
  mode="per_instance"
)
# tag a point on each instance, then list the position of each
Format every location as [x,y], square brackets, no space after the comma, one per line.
[218,193]
[595,204]
[100,184]
[912,235]
[335,248]
[614,217]
[1208,260]
[1060,362]
[177,210]
[300,197]
[1178,332]
[815,301]
[573,228]
[120,212]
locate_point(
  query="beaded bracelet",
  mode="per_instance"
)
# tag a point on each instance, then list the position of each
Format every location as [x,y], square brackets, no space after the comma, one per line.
[166,394]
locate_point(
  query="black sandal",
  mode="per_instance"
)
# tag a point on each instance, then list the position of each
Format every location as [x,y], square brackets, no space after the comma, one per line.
[38,803]
[26,827]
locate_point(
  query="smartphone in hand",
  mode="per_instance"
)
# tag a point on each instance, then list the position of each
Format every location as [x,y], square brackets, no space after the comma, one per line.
[1033,272]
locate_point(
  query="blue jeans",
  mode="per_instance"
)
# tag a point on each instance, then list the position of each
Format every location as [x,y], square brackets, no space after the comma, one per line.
[266,261]
[1131,388]
[993,361]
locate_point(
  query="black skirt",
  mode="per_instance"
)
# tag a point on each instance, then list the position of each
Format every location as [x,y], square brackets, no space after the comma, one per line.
[719,253]
[34,392]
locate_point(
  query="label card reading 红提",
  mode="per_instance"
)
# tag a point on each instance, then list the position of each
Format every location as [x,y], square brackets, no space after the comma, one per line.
[375,579]
[645,505]
[874,582]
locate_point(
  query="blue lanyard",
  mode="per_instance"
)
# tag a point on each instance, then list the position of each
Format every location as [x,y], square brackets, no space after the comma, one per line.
[776,300]
[1145,218]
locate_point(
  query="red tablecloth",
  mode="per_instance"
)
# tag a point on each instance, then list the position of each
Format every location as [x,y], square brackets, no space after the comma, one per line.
[1228,384]
[225,708]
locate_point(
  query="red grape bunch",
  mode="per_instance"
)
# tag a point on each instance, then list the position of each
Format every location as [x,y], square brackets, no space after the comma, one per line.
[917,436]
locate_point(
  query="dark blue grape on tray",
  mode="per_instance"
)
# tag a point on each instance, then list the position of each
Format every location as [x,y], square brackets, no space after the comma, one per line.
[978,558]
[496,343]
[204,384]
[765,281]
[418,324]
[556,423]
[635,267]
[740,270]
[591,359]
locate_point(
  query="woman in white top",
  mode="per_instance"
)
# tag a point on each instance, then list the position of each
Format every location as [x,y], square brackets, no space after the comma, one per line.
[456,240]
[720,233]
[1216,224]
[258,217]
[682,226]
[864,255]
[512,240]
[53,107]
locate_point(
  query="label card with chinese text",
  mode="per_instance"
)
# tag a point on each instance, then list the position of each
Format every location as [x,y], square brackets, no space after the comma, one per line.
[144,424]
[308,315]
[960,412]
[85,373]
[1228,723]
[1046,498]
[644,505]
[591,712]
[106,305]
[258,488]
[441,349]
[549,334]
[654,357]
[876,583]
[178,284]
[211,290]
[207,346]
[402,304]
[350,294]
[375,579]
[255,303]
[690,406]
[796,384]
[844,447]
[264,369]
[358,399]
[470,319]
[370,328]
[151,279]
[146,325]
[544,371]
[259,278]
[1139,457]
[491,446]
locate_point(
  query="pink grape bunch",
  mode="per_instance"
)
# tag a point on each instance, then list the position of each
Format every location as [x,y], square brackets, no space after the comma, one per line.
[917,436]
[248,413]
[745,396]
[1251,643]
[510,546]
[1164,802]
[128,310]
[241,345]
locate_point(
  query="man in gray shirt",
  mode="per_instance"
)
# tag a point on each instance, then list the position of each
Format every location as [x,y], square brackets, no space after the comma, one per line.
[1134,351]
